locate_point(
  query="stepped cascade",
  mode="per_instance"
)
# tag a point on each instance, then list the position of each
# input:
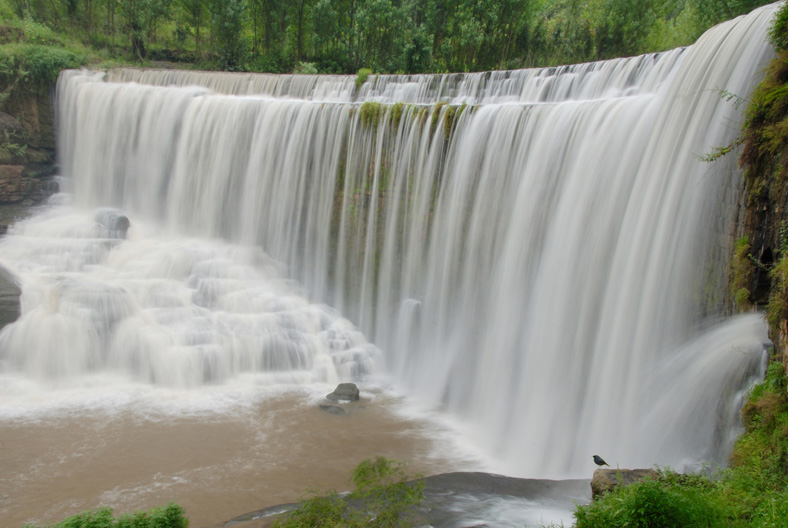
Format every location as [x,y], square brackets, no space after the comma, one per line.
[539,253]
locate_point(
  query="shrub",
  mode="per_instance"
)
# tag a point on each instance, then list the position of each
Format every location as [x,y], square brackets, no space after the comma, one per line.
[382,498]
[35,65]
[169,516]
[361,77]
[667,502]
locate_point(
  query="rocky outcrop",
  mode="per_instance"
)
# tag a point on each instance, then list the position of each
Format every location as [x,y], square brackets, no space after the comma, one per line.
[609,479]
[27,140]
[9,297]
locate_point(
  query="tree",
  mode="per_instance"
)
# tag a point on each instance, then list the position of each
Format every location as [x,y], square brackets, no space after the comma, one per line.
[229,17]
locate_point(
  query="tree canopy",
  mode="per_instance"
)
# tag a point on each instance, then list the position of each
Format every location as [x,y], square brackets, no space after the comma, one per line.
[342,36]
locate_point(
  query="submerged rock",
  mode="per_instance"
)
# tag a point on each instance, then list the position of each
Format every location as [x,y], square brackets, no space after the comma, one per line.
[344,392]
[609,479]
[112,223]
[333,409]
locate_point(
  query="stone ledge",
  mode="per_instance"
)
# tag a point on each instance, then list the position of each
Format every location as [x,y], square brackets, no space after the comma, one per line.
[605,480]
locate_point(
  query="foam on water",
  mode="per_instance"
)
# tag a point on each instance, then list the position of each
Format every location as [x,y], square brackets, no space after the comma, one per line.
[106,321]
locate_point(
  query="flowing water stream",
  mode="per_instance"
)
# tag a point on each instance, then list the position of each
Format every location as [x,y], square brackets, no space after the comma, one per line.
[536,258]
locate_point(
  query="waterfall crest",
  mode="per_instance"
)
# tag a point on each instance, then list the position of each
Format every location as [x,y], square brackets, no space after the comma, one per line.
[536,251]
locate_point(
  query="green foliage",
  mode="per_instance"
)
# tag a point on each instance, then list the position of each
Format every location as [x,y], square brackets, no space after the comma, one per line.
[778,33]
[361,76]
[340,36]
[230,19]
[667,502]
[169,516]
[742,271]
[305,68]
[34,64]
[382,499]
[753,492]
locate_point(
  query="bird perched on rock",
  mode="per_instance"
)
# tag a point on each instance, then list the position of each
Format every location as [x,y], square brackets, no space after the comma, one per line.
[599,462]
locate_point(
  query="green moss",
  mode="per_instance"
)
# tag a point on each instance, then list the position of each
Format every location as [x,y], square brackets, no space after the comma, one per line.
[370,114]
[396,114]
[742,271]
[448,121]
[436,115]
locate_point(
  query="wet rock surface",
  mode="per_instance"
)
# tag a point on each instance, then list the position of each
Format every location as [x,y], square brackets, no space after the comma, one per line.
[9,297]
[471,499]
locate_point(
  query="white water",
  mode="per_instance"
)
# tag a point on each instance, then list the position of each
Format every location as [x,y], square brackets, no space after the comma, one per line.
[549,273]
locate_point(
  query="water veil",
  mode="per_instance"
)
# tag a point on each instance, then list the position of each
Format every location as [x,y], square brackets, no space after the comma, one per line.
[540,254]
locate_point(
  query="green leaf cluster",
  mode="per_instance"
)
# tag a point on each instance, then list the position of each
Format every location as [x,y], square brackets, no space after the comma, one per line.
[169,516]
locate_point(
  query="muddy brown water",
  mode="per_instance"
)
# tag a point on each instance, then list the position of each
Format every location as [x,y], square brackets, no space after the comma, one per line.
[216,466]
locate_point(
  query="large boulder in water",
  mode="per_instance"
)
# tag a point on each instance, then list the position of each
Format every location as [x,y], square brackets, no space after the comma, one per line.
[605,480]
[345,392]
[9,297]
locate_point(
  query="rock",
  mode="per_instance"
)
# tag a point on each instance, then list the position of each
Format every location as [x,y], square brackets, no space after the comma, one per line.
[333,409]
[9,297]
[112,223]
[608,479]
[344,391]
[11,130]
[14,186]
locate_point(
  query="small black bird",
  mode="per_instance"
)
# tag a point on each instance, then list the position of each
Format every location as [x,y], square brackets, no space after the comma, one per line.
[599,462]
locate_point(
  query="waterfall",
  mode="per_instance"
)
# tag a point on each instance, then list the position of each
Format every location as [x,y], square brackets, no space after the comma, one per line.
[540,253]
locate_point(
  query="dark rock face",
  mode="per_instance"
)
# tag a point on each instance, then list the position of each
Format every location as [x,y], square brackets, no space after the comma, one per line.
[10,128]
[14,187]
[9,297]
[27,140]
[344,391]
[608,479]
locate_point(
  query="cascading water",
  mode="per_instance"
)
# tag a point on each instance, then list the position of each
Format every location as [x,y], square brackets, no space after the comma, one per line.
[538,252]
